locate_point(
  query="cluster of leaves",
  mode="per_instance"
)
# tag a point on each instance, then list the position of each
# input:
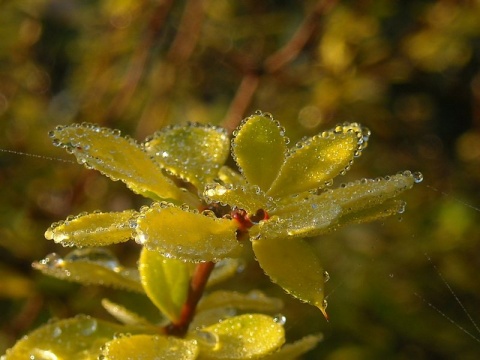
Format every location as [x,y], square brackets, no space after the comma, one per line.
[202,213]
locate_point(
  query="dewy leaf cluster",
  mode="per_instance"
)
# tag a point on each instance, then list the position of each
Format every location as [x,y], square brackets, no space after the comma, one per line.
[204,212]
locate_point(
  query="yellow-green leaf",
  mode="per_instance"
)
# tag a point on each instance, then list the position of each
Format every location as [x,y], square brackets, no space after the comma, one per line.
[95,229]
[316,161]
[223,270]
[293,264]
[362,194]
[186,234]
[254,300]
[194,152]
[150,347]
[249,198]
[229,176]
[92,266]
[377,212]
[299,219]
[117,157]
[296,349]
[248,336]
[259,148]
[79,338]
[165,281]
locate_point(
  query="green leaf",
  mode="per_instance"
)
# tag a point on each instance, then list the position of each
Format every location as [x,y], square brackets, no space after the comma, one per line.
[229,176]
[316,161]
[92,266]
[248,336]
[95,229]
[79,338]
[223,270]
[366,193]
[194,152]
[165,281]
[248,198]
[116,157]
[259,149]
[296,349]
[386,209]
[150,347]
[306,218]
[124,315]
[254,300]
[186,234]
[293,264]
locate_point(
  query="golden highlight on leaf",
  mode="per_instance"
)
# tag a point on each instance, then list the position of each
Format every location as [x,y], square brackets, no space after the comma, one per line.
[95,229]
[150,347]
[186,234]
[259,148]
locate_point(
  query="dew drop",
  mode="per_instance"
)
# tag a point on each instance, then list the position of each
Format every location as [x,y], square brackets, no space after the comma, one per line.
[207,338]
[280,319]
[326,276]
[141,238]
[417,177]
[98,256]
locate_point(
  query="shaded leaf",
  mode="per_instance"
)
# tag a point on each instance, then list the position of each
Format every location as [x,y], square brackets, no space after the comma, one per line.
[229,176]
[293,264]
[124,315]
[91,266]
[117,157]
[316,161]
[94,229]
[377,212]
[254,300]
[246,336]
[259,148]
[79,338]
[194,152]
[165,281]
[223,270]
[296,349]
[150,347]
[186,234]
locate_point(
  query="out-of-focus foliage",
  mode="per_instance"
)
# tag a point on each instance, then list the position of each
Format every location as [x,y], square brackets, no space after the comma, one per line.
[409,71]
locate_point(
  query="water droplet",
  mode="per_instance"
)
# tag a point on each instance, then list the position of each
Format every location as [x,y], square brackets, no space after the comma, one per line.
[140,237]
[326,276]
[417,177]
[98,256]
[90,327]
[280,319]
[207,338]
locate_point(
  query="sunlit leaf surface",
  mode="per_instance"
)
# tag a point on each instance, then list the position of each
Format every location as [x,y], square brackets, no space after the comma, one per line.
[246,336]
[316,161]
[194,152]
[95,229]
[77,338]
[293,264]
[165,281]
[150,347]
[259,149]
[93,266]
[117,157]
[296,349]
[186,234]
[124,315]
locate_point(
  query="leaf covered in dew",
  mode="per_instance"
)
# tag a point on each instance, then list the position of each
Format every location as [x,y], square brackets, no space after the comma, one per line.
[94,229]
[388,208]
[317,160]
[247,336]
[248,198]
[229,176]
[150,347]
[186,234]
[92,266]
[165,281]
[117,157]
[254,301]
[363,194]
[193,153]
[293,264]
[78,338]
[296,349]
[223,270]
[298,219]
[259,148]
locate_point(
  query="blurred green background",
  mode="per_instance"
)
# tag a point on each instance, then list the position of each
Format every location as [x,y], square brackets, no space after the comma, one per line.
[408,70]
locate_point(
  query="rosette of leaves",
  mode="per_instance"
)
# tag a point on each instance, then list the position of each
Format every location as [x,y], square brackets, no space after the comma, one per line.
[204,213]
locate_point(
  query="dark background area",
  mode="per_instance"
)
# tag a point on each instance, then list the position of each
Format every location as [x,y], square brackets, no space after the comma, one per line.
[408,70]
